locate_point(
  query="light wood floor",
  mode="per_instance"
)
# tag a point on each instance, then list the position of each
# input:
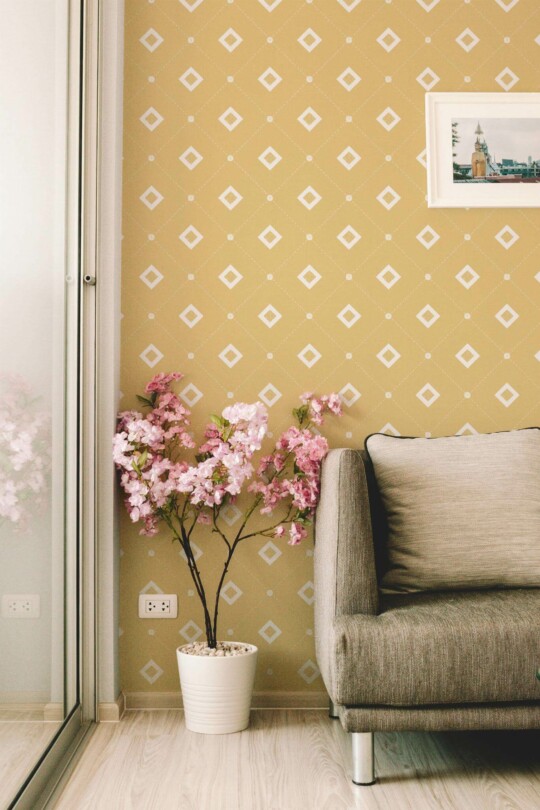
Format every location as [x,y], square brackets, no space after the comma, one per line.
[22,742]
[297,760]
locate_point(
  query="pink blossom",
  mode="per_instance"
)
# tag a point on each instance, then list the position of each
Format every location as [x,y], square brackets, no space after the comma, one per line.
[279,531]
[297,533]
[161,382]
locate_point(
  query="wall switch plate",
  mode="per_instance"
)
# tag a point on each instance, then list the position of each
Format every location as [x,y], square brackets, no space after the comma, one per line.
[20,606]
[158,606]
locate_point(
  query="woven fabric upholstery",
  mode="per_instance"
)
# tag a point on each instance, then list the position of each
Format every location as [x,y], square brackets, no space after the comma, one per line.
[503,716]
[463,511]
[345,578]
[423,649]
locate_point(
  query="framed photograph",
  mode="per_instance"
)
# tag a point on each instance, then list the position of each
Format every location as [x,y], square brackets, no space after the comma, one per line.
[483,150]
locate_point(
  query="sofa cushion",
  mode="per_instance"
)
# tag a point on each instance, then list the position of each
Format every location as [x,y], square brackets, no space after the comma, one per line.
[440,648]
[462,511]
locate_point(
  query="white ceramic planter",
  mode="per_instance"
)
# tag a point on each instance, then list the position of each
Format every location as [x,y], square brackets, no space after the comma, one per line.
[217,690]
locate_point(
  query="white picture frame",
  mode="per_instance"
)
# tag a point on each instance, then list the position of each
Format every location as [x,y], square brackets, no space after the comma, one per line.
[442,109]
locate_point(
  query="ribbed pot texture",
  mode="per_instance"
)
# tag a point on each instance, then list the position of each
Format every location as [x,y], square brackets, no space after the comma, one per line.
[217,690]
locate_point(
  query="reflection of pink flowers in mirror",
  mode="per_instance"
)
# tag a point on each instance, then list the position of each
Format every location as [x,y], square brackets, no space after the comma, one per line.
[25,454]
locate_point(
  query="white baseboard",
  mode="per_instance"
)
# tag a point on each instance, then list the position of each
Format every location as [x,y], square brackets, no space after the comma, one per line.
[261,700]
[112,712]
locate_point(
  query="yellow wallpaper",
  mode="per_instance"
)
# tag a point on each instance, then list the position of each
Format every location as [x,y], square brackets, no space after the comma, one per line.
[275,240]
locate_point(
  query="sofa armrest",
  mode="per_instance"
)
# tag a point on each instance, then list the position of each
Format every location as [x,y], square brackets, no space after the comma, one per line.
[345,574]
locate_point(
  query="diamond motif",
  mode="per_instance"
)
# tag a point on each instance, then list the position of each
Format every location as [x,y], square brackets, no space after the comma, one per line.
[349,394]
[270,395]
[270,158]
[230,40]
[191,395]
[269,316]
[507,316]
[467,276]
[427,5]
[231,592]
[191,316]
[151,671]
[507,237]
[309,277]
[270,553]
[467,40]
[270,632]
[151,40]
[151,355]
[190,158]
[309,355]
[230,118]
[151,587]
[428,79]
[190,79]
[151,119]
[190,631]
[507,79]
[191,5]
[507,5]
[196,551]
[309,198]
[428,316]
[230,514]
[388,276]
[388,198]
[190,237]
[230,277]
[309,119]
[270,79]
[507,395]
[389,430]
[270,237]
[537,356]
[151,277]
[348,237]
[349,5]
[349,79]
[309,671]
[467,355]
[307,593]
[348,158]
[388,356]
[349,316]
[230,355]
[428,395]
[151,197]
[388,119]
[428,237]
[466,430]
[270,5]
[388,40]
[309,40]
[230,198]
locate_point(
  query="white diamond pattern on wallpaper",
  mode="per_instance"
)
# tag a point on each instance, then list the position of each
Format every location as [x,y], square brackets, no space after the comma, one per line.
[349,316]
[151,198]
[230,355]
[269,316]
[309,119]
[388,119]
[507,5]
[190,631]
[190,237]
[270,237]
[151,587]
[349,79]
[388,198]
[507,316]
[151,671]
[428,79]
[190,158]
[270,395]
[507,395]
[422,158]
[428,316]
[191,5]
[151,356]
[349,5]
[270,631]
[467,276]
[309,197]
[388,40]
[348,237]
[309,355]
[231,592]
[428,5]
[507,79]
[230,514]
[467,40]
[309,40]
[507,237]
[388,355]
[197,552]
[467,355]
[309,671]
[428,395]
[151,40]
[428,237]
[270,553]
[230,40]
[270,5]
[190,316]
[191,79]
[270,158]
[307,593]
[349,394]
[466,430]
[190,395]
[230,277]
[388,277]
[309,277]
[230,119]
[390,430]
[270,79]
[230,198]
[151,119]
[349,158]
[151,277]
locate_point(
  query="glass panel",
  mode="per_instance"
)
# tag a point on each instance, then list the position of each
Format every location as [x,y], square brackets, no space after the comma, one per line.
[38,336]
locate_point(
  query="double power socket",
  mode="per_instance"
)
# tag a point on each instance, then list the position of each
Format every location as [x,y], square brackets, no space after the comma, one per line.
[158,606]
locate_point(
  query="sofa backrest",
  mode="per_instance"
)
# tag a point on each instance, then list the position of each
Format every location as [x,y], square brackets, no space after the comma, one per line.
[378,518]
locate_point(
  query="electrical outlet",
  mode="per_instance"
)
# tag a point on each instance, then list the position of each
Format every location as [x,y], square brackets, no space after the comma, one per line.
[158,606]
[20,606]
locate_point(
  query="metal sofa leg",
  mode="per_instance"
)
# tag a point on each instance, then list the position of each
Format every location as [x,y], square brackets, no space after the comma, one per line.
[332,711]
[363,760]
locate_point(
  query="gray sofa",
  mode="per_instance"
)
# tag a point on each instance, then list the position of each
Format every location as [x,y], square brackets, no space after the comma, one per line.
[436,661]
